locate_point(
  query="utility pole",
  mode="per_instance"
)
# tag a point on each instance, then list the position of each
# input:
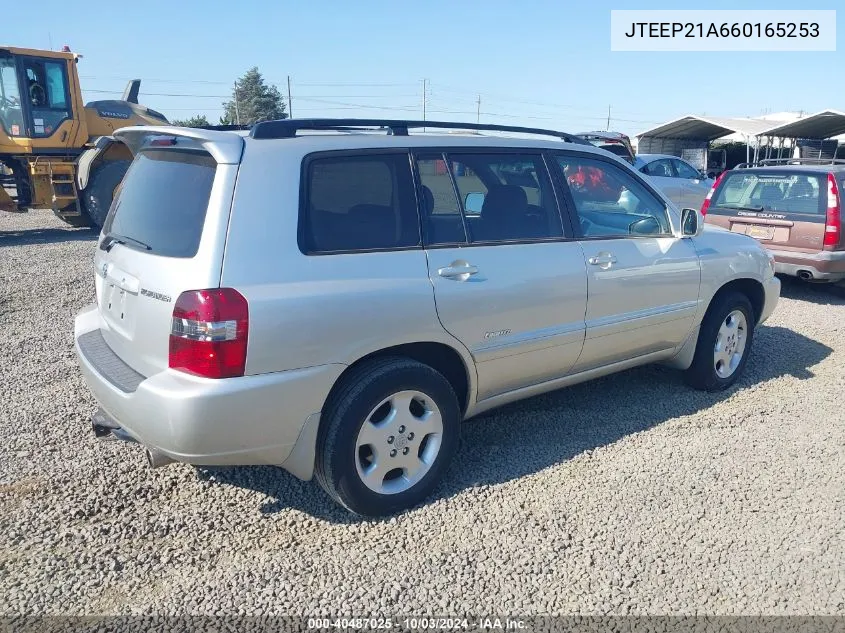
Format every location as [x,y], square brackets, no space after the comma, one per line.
[424,81]
[478,110]
[237,108]
[607,129]
[290,104]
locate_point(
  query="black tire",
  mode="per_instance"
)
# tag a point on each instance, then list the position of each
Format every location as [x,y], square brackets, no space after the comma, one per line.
[76,221]
[97,196]
[702,373]
[345,413]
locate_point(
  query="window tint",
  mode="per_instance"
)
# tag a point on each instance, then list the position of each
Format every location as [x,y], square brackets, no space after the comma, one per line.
[163,200]
[662,167]
[787,193]
[685,170]
[359,203]
[11,112]
[505,196]
[611,202]
[442,212]
[46,90]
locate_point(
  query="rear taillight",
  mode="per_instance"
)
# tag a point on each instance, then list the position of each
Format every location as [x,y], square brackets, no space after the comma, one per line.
[208,333]
[833,222]
[706,204]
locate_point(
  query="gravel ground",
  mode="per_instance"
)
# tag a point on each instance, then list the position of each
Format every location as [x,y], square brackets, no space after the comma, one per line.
[630,494]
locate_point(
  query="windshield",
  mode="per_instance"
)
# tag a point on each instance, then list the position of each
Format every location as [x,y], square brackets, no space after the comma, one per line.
[11,113]
[786,193]
[162,202]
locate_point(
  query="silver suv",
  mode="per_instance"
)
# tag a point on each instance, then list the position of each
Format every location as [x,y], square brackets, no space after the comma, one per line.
[336,296]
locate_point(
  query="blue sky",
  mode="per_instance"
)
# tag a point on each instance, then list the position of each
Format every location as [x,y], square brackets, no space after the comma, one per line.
[545,64]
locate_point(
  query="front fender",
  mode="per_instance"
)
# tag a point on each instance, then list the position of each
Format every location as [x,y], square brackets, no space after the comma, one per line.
[726,256]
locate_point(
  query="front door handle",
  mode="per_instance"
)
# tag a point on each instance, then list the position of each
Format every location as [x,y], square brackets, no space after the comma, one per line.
[459,270]
[603,259]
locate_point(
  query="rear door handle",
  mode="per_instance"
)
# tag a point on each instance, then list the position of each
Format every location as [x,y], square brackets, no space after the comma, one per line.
[461,271]
[602,260]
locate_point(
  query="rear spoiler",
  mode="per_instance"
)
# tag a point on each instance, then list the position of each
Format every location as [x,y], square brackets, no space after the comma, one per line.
[224,147]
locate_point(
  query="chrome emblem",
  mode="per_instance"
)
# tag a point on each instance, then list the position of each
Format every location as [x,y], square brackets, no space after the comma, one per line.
[496,334]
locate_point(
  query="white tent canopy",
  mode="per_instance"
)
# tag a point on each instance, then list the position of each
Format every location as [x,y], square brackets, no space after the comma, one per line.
[821,125]
[708,128]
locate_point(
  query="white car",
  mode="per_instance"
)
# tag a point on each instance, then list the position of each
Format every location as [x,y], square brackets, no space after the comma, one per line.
[682,183]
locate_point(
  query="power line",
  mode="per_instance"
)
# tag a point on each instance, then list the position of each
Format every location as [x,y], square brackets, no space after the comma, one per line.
[229,96]
[226,83]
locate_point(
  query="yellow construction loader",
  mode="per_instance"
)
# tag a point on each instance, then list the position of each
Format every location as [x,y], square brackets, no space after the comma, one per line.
[60,152]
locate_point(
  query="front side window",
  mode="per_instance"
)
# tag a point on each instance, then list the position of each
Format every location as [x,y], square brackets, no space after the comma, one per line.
[611,202]
[11,111]
[503,196]
[359,203]
[46,90]
[685,170]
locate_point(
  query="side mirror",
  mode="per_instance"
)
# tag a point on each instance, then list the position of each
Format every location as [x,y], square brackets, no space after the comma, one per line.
[473,202]
[691,223]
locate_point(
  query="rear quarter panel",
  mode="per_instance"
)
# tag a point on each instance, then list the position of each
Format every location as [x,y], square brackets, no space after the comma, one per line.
[308,310]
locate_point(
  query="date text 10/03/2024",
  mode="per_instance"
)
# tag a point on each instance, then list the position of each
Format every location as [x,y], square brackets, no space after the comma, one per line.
[416,624]
[737,29]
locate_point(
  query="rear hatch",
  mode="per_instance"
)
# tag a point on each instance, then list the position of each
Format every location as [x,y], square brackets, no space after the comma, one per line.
[613,142]
[164,234]
[782,208]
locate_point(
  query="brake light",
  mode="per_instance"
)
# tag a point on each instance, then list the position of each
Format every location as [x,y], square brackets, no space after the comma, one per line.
[706,204]
[833,222]
[208,334]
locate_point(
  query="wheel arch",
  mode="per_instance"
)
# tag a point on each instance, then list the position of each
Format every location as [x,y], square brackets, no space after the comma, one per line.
[749,286]
[455,366]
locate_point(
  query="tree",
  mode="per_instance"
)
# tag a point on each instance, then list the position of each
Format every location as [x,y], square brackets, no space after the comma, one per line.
[197,120]
[253,101]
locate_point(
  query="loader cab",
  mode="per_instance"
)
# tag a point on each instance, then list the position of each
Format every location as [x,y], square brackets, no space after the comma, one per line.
[36,100]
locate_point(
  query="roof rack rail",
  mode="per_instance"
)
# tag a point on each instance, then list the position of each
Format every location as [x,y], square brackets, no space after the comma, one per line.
[287,128]
[791,161]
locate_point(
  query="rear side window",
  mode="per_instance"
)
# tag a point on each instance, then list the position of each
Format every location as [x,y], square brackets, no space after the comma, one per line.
[358,203]
[163,200]
[783,193]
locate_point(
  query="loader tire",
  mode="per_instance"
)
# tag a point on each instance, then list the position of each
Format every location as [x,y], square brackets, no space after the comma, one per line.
[76,221]
[98,195]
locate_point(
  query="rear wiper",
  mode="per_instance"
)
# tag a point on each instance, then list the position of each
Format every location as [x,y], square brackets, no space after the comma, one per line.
[111,239]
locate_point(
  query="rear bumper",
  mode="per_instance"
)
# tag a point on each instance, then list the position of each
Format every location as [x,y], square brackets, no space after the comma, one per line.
[822,265]
[235,421]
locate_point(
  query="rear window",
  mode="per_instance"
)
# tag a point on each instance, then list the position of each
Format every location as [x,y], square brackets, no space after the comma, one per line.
[163,200]
[783,193]
[359,203]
